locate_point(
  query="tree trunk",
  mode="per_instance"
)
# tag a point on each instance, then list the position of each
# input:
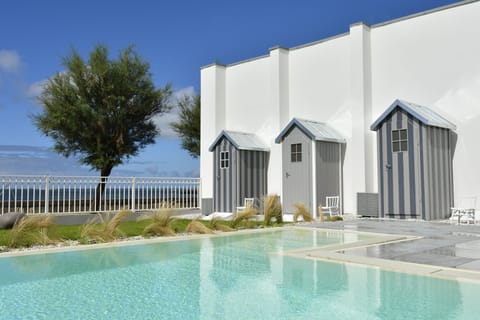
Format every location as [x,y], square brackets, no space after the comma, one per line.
[104,174]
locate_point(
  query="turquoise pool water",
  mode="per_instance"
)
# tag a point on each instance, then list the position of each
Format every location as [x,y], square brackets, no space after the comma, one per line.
[234,277]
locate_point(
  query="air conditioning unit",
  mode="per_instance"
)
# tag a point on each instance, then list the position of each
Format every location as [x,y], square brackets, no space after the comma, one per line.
[367,204]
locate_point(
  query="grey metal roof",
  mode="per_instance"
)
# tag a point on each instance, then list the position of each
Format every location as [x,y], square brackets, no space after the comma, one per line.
[318,131]
[241,141]
[423,114]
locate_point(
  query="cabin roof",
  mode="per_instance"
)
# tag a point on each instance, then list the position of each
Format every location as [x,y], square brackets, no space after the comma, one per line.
[423,114]
[315,130]
[241,141]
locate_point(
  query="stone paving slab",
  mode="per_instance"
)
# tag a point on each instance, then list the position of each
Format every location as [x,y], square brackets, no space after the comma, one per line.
[436,244]
[456,251]
[473,265]
[434,259]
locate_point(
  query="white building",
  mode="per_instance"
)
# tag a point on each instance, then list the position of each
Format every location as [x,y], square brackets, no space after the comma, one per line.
[347,82]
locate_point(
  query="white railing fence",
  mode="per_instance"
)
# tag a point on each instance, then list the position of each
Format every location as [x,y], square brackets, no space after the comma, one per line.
[70,194]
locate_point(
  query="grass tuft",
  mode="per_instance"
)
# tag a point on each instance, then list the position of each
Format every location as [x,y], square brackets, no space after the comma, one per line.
[272,209]
[31,230]
[161,224]
[244,217]
[301,211]
[217,224]
[196,226]
[102,229]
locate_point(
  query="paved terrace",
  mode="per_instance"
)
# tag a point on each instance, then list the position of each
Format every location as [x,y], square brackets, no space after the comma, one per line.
[447,246]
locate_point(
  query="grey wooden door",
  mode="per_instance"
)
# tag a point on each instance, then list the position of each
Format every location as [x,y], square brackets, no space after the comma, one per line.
[297,170]
[329,171]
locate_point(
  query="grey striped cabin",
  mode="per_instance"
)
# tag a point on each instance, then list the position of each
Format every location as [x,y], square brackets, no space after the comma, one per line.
[312,158]
[240,169]
[415,151]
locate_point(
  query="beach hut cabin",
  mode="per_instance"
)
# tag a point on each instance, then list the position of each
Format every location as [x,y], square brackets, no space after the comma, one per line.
[312,161]
[240,169]
[415,150]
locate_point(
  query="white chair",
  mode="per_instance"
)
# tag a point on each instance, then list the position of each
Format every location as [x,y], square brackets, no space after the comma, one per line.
[332,205]
[465,211]
[246,203]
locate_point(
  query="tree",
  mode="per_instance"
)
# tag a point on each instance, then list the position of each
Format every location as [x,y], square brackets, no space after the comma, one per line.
[188,126]
[102,110]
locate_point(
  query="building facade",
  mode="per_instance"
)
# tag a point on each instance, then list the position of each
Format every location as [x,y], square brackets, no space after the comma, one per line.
[346,82]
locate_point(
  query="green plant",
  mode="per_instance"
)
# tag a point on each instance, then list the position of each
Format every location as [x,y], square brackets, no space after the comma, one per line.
[102,229]
[272,209]
[196,226]
[216,224]
[244,217]
[301,211]
[335,218]
[161,224]
[188,125]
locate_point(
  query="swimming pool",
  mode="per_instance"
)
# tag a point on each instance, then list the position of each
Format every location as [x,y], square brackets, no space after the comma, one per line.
[242,276]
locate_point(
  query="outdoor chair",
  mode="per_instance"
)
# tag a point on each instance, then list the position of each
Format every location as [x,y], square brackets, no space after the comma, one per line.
[247,202]
[465,211]
[332,205]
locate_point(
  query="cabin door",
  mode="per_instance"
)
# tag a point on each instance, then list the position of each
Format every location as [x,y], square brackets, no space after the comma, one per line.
[297,170]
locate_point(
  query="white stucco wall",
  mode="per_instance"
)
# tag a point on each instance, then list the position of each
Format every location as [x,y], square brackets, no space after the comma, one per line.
[212,121]
[347,81]
[433,60]
[320,89]
[319,80]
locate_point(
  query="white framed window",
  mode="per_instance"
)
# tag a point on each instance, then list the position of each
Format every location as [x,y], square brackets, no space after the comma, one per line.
[224,159]
[296,152]
[399,140]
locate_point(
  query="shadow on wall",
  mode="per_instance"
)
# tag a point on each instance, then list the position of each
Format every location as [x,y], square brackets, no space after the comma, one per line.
[453,139]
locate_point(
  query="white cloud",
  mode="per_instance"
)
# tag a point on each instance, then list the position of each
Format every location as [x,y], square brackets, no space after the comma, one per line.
[163,122]
[35,89]
[188,91]
[33,160]
[9,61]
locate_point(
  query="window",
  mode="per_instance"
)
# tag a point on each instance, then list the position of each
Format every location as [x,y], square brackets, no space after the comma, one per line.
[399,140]
[224,159]
[296,152]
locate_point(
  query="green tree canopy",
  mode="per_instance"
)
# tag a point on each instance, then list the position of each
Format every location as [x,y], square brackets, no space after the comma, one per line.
[188,126]
[101,110]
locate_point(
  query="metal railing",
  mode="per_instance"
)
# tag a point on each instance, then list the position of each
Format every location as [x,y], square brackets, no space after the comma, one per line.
[70,194]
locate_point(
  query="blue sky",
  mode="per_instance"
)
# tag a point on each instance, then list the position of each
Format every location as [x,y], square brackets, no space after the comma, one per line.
[176,37]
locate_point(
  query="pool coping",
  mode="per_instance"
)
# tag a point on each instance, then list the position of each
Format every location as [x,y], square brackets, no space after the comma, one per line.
[330,253]
[132,242]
